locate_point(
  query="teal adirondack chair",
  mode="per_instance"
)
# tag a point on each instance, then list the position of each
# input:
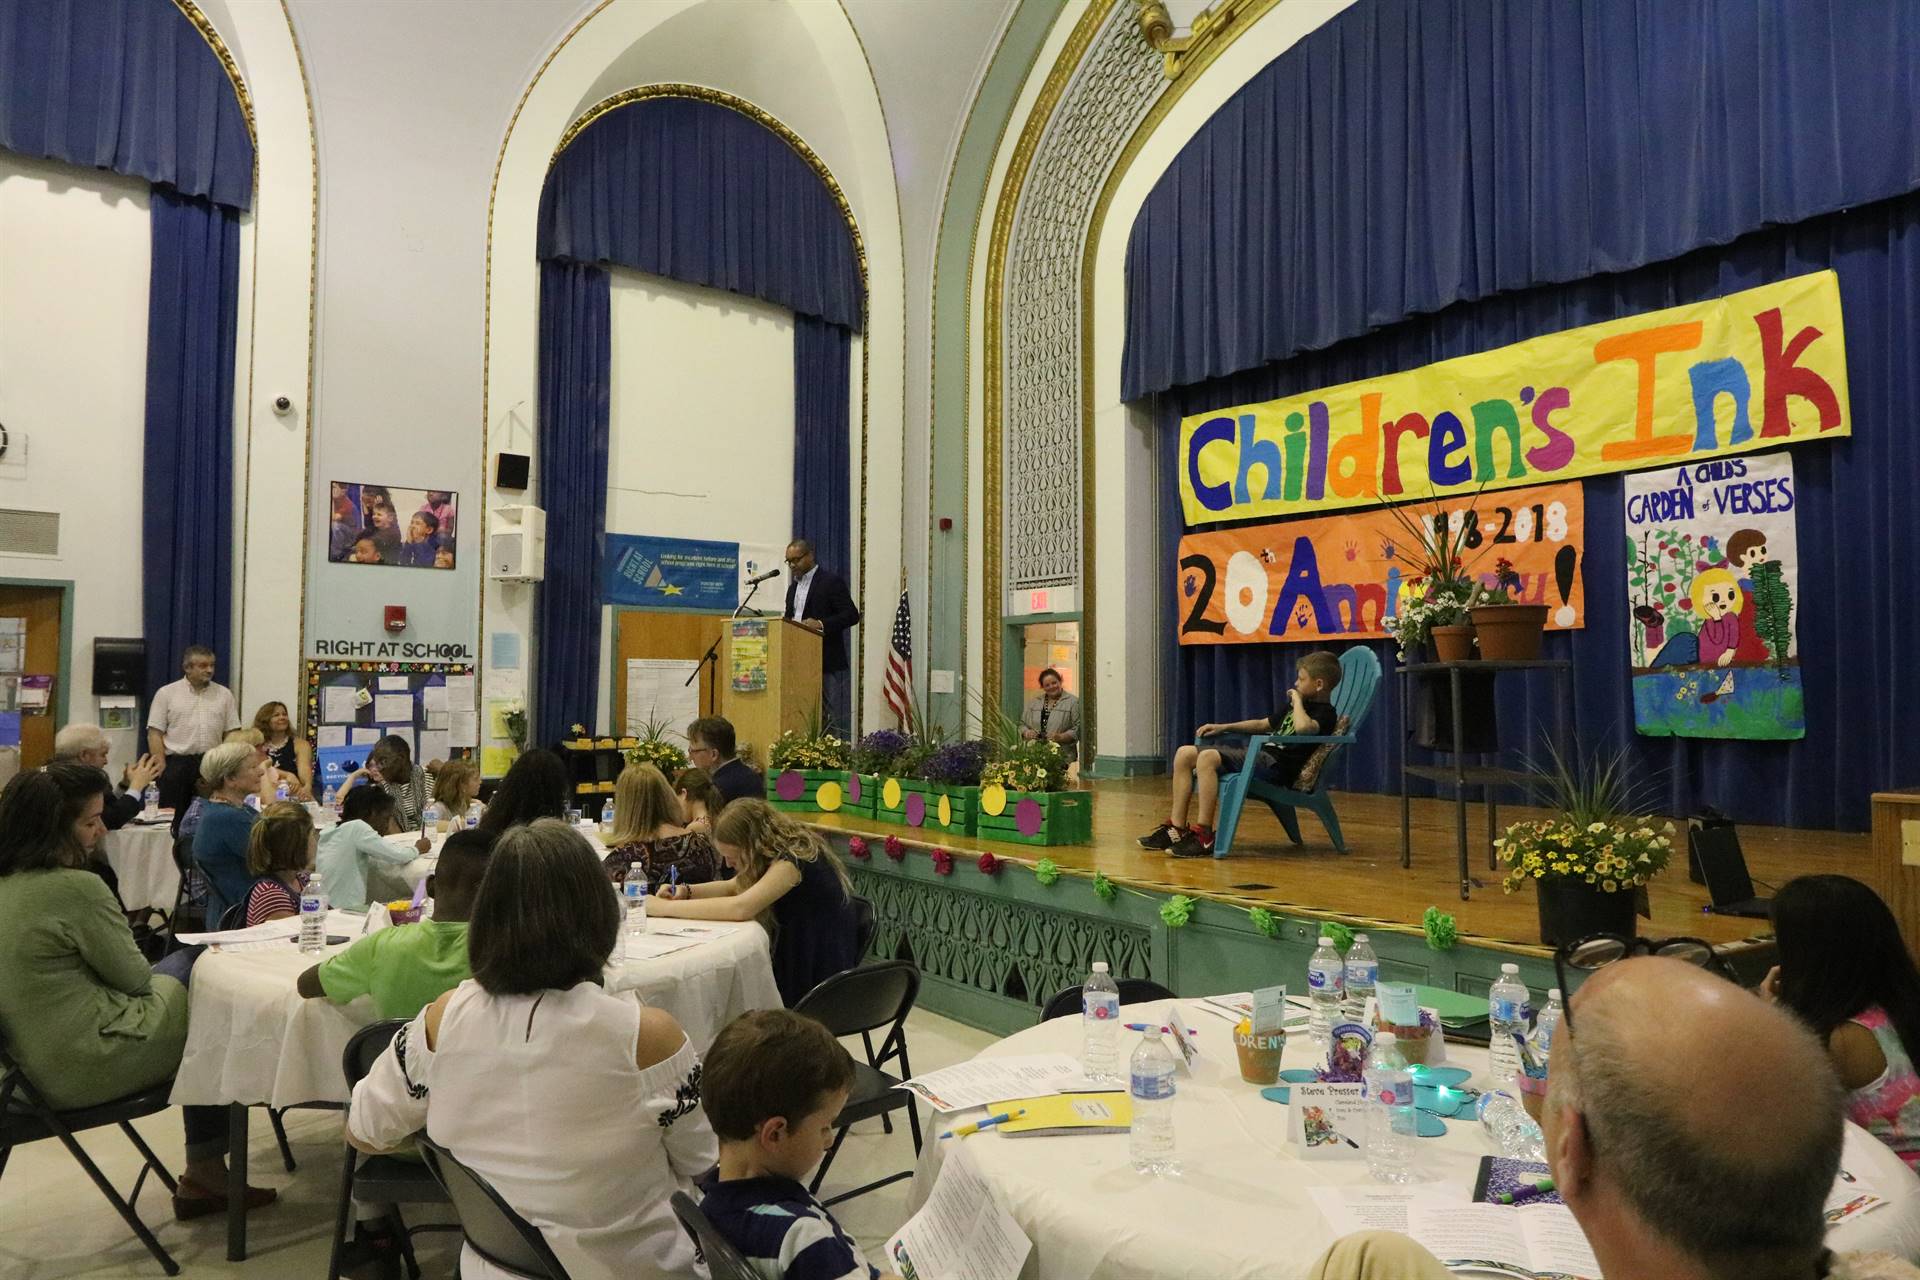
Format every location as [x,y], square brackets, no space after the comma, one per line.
[1352,699]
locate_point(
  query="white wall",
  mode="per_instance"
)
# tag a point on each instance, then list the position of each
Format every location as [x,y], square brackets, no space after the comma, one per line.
[73,368]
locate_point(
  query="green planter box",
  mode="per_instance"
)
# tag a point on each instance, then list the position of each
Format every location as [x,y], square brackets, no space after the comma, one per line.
[897,813]
[808,797]
[963,803]
[1066,817]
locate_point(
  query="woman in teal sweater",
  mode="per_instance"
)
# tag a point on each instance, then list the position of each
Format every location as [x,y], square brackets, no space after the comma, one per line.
[84,1016]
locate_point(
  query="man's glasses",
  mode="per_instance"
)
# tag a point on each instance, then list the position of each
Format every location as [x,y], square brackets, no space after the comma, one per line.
[1598,950]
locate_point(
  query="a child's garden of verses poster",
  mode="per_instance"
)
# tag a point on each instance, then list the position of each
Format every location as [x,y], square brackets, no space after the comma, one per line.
[1712,575]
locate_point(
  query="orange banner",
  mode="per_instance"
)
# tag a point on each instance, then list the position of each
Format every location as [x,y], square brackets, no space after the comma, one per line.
[1340,577]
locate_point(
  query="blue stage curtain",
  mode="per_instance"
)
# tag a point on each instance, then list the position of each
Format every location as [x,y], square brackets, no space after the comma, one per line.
[187,532]
[124,85]
[822,363]
[576,353]
[697,192]
[1858,527]
[1412,154]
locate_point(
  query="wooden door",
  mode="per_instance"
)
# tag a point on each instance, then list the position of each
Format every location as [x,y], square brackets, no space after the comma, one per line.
[40,606]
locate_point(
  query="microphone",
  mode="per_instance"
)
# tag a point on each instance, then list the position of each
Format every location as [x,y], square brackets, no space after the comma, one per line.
[757,579]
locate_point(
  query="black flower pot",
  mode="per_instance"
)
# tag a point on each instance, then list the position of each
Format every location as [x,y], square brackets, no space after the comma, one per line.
[1572,909]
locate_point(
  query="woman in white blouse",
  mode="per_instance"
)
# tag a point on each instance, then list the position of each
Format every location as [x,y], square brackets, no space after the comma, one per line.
[581,1108]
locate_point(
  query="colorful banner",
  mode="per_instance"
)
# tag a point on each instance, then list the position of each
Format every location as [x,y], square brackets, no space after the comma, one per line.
[748,658]
[1713,569]
[1750,371]
[671,573]
[1341,576]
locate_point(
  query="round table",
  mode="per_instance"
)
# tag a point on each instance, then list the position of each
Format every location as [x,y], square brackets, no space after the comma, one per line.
[251,1037]
[142,857]
[1241,1206]
[417,870]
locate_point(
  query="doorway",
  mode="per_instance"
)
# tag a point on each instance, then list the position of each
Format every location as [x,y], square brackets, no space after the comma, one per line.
[33,643]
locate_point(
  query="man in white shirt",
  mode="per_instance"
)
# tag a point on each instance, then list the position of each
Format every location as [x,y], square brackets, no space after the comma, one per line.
[189,718]
[819,600]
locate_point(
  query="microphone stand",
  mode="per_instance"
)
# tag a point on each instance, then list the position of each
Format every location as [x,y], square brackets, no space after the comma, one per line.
[713,652]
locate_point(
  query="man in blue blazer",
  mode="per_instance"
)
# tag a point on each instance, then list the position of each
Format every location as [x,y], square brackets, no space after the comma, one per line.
[818,599]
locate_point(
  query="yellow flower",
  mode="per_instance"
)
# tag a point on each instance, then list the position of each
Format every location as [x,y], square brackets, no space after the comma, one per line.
[1609,885]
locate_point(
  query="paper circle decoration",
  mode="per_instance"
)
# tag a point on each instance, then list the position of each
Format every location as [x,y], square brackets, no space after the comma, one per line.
[945,812]
[828,796]
[853,787]
[916,809]
[1565,615]
[993,799]
[790,786]
[890,793]
[1027,818]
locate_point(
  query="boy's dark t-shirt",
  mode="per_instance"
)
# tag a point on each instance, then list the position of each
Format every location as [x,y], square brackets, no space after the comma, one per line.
[1286,761]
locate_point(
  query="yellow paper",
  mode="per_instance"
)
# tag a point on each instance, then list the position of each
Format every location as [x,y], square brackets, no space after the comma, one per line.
[495,761]
[1069,1112]
[1753,370]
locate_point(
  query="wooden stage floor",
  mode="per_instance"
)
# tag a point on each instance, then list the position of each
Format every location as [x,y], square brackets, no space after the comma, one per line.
[1367,882]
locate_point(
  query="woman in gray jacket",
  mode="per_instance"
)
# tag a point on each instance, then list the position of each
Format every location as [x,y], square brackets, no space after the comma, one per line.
[1053,713]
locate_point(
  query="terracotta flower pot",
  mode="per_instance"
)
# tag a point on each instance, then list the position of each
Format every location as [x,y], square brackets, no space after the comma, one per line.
[1509,632]
[1452,644]
[1572,909]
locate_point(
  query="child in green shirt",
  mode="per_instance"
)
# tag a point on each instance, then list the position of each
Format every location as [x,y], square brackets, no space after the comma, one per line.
[408,967]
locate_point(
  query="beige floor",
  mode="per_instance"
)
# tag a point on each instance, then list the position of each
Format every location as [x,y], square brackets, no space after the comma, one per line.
[54,1223]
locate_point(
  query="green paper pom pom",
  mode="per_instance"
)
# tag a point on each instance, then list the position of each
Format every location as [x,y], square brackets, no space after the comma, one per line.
[1103,888]
[1341,935]
[1046,871]
[1264,921]
[1441,933]
[1176,911]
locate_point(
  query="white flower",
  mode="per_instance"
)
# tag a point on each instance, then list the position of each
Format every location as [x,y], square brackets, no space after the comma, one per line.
[1596,827]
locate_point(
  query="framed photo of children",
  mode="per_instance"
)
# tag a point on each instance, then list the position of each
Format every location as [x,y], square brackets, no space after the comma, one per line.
[381,524]
[1713,572]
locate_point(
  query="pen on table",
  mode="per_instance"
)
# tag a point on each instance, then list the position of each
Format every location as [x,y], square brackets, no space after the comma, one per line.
[1526,1191]
[988,1123]
[1146,1026]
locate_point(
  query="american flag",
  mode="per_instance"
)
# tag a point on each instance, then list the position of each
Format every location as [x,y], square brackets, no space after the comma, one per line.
[900,664]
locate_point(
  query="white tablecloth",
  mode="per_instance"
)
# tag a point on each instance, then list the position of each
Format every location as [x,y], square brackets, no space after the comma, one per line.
[142,857]
[417,870]
[1241,1206]
[251,1038]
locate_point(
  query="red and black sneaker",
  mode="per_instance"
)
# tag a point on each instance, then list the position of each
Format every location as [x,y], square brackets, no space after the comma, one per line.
[1196,843]
[1161,837]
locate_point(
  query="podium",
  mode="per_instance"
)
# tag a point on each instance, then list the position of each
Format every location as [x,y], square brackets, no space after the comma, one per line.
[790,692]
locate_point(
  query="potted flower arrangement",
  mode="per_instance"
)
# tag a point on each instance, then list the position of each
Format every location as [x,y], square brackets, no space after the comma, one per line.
[807,770]
[953,772]
[1023,798]
[652,746]
[1590,862]
[1437,612]
[1506,629]
[1440,588]
[902,791]
[870,760]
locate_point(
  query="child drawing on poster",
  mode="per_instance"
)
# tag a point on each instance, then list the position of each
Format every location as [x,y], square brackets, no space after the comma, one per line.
[1710,569]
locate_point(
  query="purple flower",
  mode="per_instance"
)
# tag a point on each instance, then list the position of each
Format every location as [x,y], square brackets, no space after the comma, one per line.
[957,764]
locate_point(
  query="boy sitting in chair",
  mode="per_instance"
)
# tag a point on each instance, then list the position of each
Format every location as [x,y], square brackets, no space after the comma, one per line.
[1307,712]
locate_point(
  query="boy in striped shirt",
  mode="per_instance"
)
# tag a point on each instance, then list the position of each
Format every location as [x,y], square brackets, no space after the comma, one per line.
[772,1084]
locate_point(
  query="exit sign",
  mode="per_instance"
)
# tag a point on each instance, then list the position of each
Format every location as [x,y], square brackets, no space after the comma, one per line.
[1039,602]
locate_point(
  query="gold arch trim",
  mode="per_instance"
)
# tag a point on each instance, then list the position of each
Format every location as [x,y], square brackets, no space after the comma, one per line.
[204,26]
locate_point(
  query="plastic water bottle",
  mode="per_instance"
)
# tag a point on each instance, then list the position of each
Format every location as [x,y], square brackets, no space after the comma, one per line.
[1326,978]
[1150,1082]
[313,920]
[1363,974]
[635,891]
[1509,1127]
[282,792]
[253,801]
[1546,1026]
[606,817]
[430,816]
[1391,1124]
[474,811]
[1100,1026]
[619,956]
[1506,1014]
[327,798]
[150,800]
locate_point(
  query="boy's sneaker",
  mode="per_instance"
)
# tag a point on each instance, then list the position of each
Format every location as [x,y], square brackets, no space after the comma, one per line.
[1193,844]
[1161,837]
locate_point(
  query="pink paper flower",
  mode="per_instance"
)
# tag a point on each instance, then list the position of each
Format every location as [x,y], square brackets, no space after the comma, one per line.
[989,864]
[942,862]
[857,848]
[895,849]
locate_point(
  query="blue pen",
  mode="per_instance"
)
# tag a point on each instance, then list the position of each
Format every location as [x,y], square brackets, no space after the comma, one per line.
[1143,1026]
[673,876]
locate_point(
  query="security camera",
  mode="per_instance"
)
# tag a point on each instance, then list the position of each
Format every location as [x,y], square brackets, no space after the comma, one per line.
[282,405]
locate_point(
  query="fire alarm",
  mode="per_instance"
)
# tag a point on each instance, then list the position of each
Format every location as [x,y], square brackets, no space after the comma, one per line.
[946,524]
[396,617]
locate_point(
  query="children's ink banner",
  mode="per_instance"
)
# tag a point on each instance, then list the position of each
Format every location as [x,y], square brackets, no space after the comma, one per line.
[671,573]
[1750,371]
[1712,571]
[1341,576]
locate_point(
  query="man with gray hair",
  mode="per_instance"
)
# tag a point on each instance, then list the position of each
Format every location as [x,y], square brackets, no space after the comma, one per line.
[87,744]
[188,719]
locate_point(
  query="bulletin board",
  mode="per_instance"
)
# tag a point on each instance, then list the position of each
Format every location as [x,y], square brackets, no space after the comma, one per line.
[352,705]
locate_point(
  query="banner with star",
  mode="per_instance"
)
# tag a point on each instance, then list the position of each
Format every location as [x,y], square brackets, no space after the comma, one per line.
[1339,577]
[685,574]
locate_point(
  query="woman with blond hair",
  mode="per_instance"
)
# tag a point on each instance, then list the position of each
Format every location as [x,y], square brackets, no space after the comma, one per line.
[456,789]
[279,854]
[290,754]
[648,837]
[788,879]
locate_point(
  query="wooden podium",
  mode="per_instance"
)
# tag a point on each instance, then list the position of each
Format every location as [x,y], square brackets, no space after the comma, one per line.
[1896,859]
[791,685]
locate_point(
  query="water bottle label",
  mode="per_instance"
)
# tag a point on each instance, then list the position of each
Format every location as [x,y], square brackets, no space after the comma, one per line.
[1152,1088]
[1366,975]
[1101,1006]
[312,904]
[1506,1010]
[1323,979]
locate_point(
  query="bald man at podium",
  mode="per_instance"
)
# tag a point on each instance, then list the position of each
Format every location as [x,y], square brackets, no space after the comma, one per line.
[818,599]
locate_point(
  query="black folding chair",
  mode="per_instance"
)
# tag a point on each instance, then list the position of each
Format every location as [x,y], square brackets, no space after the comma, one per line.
[1066,1001]
[864,927]
[853,1003]
[390,1180]
[491,1227]
[25,1117]
[234,917]
[724,1262]
[189,914]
